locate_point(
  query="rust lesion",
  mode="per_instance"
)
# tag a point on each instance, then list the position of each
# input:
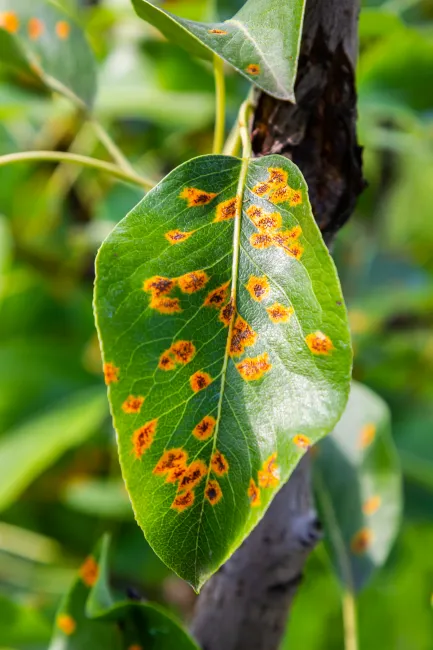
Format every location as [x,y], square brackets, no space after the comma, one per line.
[253,69]
[142,438]
[302,441]
[219,463]
[200,380]
[258,287]
[242,336]
[9,21]
[227,313]
[253,368]
[196,197]
[253,493]
[319,343]
[183,501]
[361,541]
[63,29]
[35,28]
[269,475]
[279,313]
[213,492]
[193,281]
[227,209]
[133,404]
[66,623]
[111,373]
[89,571]
[205,428]
[217,297]
[178,236]
[194,473]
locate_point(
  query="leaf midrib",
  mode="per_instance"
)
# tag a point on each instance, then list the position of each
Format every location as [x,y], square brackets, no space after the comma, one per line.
[233,295]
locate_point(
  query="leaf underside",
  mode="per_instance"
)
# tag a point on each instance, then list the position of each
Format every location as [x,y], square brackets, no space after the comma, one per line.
[226,350]
[358,488]
[90,618]
[43,45]
[261,41]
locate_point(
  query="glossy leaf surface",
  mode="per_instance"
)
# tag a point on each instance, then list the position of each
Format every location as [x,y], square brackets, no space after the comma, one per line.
[90,618]
[261,41]
[226,350]
[44,45]
[358,481]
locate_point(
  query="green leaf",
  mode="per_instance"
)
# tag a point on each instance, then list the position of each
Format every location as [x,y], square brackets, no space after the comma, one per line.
[21,624]
[358,488]
[99,497]
[90,618]
[261,41]
[238,415]
[43,44]
[48,435]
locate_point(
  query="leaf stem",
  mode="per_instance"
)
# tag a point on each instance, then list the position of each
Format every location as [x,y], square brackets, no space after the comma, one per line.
[244,114]
[76,159]
[233,142]
[220,104]
[349,619]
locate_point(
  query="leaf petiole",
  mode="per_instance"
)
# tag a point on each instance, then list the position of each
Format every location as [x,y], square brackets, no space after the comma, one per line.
[85,161]
[220,104]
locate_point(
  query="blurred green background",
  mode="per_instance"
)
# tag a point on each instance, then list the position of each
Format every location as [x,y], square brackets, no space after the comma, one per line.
[60,486]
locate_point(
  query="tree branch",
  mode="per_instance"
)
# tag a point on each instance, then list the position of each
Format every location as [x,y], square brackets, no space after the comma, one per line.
[245,605]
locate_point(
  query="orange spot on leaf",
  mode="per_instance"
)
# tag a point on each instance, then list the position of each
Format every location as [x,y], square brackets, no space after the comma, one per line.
[166,305]
[35,28]
[170,460]
[192,282]
[133,404]
[242,336]
[261,189]
[166,361]
[226,313]
[258,288]
[143,437]
[195,197]
[252,369]
[372,505]
[217,297]
[213,492]
[260,240]
[63,29]
[220,32]
[135,646]
[281,195]
[205,428]
[254,494]
[219,463]
[183,501]
[9,21]
[66,624]
[277,176]
[361,541]
[295,199]
[111,373]
[269,475]
[287,237]
[193,475]
[279,313]
[158,286]
[319,343]
[200,380]
[269,222]
[89,571]
[253,69]
[183,351]
[367,435]
[301,441]
[178,236]
[226,210]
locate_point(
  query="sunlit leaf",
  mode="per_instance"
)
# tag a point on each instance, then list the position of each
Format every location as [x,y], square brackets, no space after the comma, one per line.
[90,618]
[47,435]
[43,44]
[358,487]
[226,350]
[261,40]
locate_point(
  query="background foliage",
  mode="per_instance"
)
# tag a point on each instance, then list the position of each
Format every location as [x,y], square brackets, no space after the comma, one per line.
[56,439]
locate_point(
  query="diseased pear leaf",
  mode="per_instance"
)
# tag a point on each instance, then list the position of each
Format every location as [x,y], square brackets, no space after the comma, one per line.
[226,350]
[90,618]
[43,45]
[261,41]
[358,488]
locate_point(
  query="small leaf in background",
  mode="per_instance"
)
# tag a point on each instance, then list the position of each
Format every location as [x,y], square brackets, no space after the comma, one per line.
[97,497]
[358,488]
[48,435]
[261,41]
[42,43]
[90,617]
[226,350]
[21,624]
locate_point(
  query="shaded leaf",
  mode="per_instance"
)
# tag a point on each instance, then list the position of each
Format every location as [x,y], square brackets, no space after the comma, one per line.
[358,488]
[47,435]
[226,350]
[90,618]
[44,45]
[261,40]
[99,497]
[21,624]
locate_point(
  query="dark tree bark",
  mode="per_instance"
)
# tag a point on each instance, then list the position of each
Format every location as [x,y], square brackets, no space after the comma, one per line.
[246,604]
